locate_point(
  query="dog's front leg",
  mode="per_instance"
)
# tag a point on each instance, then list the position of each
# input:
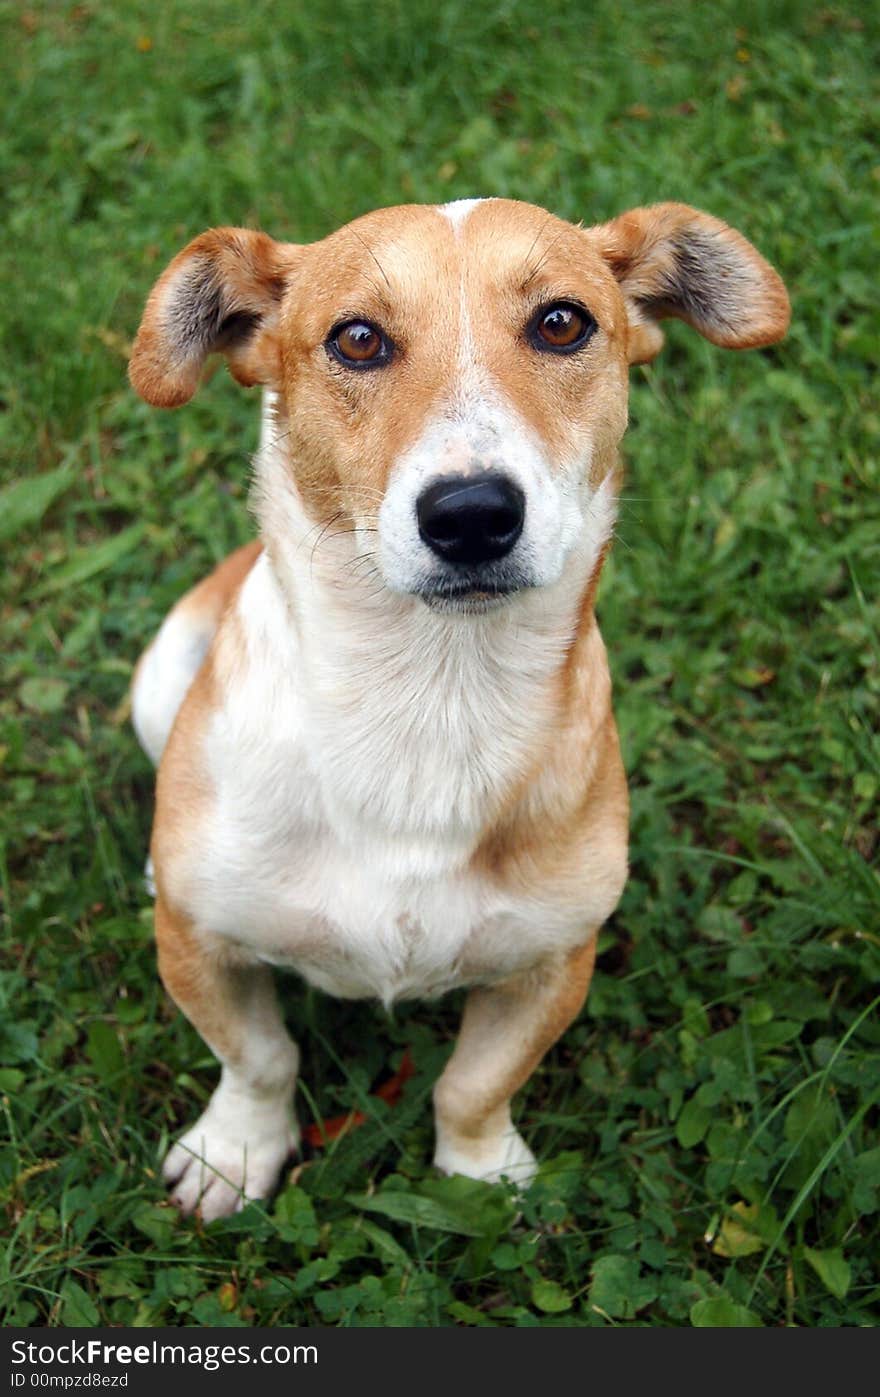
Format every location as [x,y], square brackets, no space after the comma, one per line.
[505,1031]
[237,1148]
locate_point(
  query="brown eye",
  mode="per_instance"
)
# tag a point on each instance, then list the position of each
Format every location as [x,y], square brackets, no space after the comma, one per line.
[359,345]
[562,328]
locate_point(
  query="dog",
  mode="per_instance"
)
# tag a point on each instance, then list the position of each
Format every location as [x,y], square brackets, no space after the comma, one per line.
[385,744]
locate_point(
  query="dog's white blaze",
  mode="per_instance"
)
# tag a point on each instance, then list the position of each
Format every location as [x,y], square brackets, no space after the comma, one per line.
[458,211]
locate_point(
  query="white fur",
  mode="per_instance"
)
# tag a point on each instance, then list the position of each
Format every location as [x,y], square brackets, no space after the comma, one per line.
[234,1151]
[503,1155]
[166,672]
[268,420]
[458,211]
[479,431]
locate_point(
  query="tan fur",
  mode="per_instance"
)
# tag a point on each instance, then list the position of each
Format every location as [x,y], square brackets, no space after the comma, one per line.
[246,270]
[639,248]
[195,981]
[505,1031]
[213,594]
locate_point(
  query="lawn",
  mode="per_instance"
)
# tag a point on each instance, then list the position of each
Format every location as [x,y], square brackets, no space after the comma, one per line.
[708,1126]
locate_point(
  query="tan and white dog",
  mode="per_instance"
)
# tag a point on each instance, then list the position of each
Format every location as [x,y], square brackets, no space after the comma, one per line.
[387,757]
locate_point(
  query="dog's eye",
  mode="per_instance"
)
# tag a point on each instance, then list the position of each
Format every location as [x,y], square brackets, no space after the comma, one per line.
[561,328]
[359,345]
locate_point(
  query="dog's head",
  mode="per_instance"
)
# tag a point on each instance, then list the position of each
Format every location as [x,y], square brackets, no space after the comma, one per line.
[452,381]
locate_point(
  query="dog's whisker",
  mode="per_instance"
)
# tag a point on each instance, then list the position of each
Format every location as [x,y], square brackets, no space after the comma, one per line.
[542,260]
[321,535]
[372,254]
[276,441]
[525,284]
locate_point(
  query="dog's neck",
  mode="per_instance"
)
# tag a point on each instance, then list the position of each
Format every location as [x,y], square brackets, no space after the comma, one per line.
[420,723]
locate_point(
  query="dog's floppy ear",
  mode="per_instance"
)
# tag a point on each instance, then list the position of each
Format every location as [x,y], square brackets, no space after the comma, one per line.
[222,292]
[672,260]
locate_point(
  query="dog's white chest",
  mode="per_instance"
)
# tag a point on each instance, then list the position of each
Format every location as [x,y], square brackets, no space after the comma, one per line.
[357,922]
[353,932]
[340,833]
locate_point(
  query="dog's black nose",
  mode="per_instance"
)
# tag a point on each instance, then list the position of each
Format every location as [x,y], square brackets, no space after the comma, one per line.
[471,518]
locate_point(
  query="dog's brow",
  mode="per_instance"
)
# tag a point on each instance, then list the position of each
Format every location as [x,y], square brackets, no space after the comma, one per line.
[367,247]
[543,258]
[534,241]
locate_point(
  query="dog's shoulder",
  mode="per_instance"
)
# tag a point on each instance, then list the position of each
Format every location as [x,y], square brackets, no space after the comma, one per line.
[227,703]
[565,830]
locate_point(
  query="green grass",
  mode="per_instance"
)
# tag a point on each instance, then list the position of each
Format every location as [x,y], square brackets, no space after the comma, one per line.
[709,1125]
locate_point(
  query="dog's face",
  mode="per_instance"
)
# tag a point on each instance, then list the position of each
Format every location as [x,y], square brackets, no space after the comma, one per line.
[452,380]
[458,377]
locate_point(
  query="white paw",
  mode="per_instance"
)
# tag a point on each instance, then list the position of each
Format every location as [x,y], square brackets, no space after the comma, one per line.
[234,1152]
[505,1156]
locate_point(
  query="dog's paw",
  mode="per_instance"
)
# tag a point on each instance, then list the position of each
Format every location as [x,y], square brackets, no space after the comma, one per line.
[506,1156]
[230,1156]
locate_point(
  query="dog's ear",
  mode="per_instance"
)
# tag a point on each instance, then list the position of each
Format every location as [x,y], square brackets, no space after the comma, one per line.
[222,292]
[672,260]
